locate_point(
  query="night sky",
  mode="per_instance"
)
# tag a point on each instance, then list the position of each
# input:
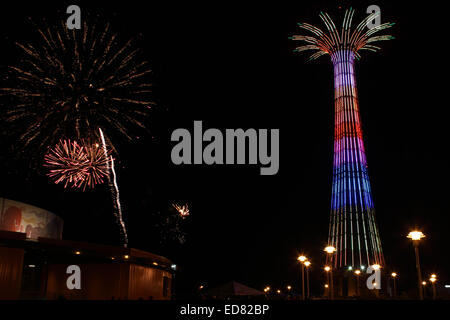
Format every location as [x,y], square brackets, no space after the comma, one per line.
[232,66]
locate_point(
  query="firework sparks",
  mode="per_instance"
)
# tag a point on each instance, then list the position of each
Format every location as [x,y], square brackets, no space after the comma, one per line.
[96,164]
[77,165]
[114,188]
[74,81]
[182,210]
[64,162]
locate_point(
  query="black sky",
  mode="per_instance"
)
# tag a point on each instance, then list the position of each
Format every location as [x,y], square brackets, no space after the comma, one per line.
[232,66]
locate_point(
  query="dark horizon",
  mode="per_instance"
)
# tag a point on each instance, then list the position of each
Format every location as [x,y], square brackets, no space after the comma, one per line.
[233,67]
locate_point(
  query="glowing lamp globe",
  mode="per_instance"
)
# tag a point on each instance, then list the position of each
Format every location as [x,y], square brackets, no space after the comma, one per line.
[330,249]
[416,235]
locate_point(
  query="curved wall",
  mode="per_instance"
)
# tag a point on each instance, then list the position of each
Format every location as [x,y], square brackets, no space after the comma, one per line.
[35,222]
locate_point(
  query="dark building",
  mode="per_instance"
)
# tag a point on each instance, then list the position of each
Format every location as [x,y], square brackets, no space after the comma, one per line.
[36,267]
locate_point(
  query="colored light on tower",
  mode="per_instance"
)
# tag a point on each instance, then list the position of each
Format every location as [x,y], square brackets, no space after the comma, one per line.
[353,231]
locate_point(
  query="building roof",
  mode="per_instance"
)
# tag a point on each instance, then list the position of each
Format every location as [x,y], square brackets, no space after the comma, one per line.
[57,249]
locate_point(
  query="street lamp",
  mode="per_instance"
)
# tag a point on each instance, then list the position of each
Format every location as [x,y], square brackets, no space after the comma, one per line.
[433,285]
[416,236]
[307,264]
[302,259]
[330,250]
[327,270]
[394,278]
[357,273]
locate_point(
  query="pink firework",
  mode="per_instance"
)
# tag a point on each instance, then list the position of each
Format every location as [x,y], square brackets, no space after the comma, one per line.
[77,165]
[96,165]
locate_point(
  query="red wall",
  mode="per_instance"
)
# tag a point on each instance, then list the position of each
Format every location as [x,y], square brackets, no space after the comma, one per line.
[105,281]
[11,265]
[146,282]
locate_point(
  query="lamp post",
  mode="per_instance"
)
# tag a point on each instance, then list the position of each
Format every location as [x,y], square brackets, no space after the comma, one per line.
[330,250]
[433,285]
[357,273]
[328,285]
[307,264]
[415,236]
[376,267]
[302,259]
[289,288]
[394,278]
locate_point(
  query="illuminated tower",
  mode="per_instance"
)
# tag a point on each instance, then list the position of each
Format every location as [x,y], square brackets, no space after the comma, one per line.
[353,230]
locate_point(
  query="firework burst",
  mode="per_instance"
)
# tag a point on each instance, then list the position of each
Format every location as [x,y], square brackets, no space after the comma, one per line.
[72,82]
[77,165]
[182,210]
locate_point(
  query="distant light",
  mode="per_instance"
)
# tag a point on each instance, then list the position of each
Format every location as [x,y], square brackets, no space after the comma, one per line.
[112,258]
[433,280]
[126,256]
[358,272]
[327,268]
[31,266]
[326,286]
[155,263]
[350,268]
[278,291]
[362,267]
[424,283]
[201,287]
[289,287]
[433,275]
[301,258]
[173,266]
[415,235]
[77,252]
[447,286]
[307,263]
[393,274]
[376,267]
